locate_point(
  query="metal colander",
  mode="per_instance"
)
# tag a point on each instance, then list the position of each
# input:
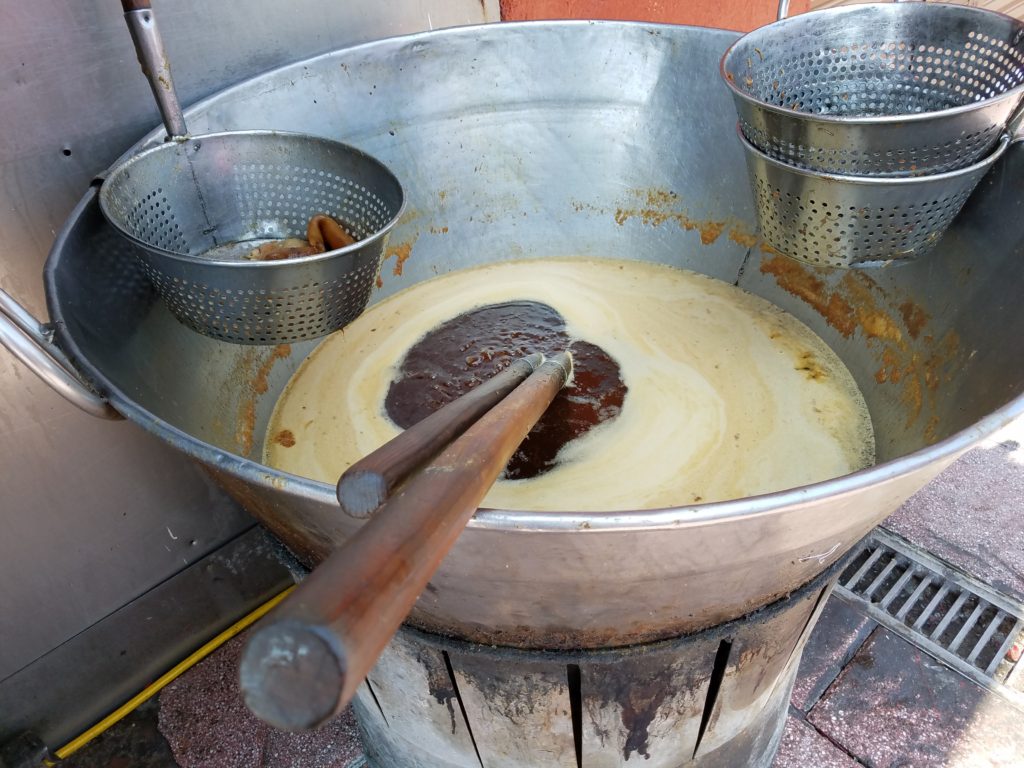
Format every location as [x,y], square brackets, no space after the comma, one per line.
[842,221]
[196,205]
[880,89]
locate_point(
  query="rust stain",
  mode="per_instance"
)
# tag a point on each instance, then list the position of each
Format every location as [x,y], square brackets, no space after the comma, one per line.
[742,237]
[847,307]
[799,281]
[914,318]
[892,367]
[308,544]
[857,303]
[280,352]
[879,325]
[401,252]
[285,437]
[439,230]
[875,322]
[710,231]
[380,281]
[246,425]
[658,206]
[911,396]
[257,386]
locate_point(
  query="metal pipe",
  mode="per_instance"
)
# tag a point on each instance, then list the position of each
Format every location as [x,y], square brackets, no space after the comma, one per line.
[155,65]
[29,341]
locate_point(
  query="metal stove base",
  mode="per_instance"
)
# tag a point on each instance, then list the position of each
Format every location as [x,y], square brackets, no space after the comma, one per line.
[714,698]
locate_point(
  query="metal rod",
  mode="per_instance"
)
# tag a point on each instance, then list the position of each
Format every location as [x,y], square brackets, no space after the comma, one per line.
[870,591]
[851,584]
[967,627]
[951,614]
[155,66]
[993,665]
[912,600]
[990,630]
[941,593]
[896,588]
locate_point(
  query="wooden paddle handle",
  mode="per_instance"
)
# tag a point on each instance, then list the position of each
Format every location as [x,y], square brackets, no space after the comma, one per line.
[367,484]
[305,662]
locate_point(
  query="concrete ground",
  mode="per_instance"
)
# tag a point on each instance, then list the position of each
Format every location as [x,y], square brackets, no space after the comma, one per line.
[864,697]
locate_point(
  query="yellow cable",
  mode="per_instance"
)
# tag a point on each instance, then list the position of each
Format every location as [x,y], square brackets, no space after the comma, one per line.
[153,688]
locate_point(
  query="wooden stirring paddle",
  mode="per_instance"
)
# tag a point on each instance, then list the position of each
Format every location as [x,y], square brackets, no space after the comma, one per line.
[304,662]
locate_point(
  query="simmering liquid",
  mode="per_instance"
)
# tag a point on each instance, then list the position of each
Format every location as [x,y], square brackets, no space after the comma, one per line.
[459,354]
[686,389]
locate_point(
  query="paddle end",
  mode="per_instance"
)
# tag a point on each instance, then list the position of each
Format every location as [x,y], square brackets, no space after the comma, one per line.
[361,493]
[291,677]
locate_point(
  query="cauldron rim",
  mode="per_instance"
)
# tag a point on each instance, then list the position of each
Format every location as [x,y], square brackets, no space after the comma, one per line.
[939,453]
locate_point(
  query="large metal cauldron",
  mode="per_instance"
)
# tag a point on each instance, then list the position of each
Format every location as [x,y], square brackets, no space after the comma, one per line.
[606,139]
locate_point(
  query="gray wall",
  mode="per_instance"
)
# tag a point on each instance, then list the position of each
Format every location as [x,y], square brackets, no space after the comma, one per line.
[94,513]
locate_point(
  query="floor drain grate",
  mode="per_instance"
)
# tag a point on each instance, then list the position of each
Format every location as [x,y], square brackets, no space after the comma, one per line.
[951,616]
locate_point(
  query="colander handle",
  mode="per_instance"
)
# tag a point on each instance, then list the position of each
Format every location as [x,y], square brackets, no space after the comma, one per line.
[30,342]
[149,47]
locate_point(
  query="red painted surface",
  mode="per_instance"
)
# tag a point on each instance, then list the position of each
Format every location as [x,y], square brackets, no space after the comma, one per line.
[741,15]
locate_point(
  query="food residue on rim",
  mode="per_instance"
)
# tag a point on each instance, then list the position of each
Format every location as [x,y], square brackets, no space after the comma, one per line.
[401,252]
[257,386]
[657,206]
[853,304]
[798,280]
[743,237]
[285,437]
[914,318]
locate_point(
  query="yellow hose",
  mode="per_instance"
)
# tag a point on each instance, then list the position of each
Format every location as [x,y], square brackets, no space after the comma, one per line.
[161,682]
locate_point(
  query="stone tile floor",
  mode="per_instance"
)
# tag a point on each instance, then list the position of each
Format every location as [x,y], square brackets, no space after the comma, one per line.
[864,696]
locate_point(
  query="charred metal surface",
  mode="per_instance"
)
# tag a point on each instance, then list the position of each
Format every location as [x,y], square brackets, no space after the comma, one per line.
[663,623]
[440,684]
[519,713]
[714,686]
[710,699]
[755,744]
[413,709]
[645,685]
[373,695]
[462,705]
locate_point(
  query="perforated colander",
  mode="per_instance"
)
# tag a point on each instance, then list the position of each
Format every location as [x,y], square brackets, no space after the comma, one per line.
[194,206]
[197,204]
[843,221]
[897,89]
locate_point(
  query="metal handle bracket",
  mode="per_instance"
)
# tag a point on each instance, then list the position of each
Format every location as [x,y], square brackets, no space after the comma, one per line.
[30,341]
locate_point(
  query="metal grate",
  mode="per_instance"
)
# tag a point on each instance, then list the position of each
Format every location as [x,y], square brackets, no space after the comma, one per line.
[954,618]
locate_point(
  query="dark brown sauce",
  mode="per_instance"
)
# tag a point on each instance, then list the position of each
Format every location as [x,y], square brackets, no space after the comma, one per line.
[461,353]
